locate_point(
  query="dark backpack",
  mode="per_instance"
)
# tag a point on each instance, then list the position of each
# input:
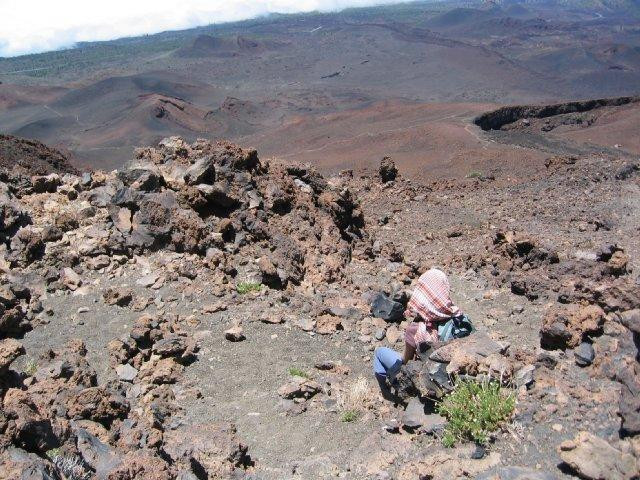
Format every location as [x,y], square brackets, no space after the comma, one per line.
[455,327]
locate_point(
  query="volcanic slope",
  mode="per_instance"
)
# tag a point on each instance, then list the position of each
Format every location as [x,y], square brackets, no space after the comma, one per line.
[281,69]
[204,312]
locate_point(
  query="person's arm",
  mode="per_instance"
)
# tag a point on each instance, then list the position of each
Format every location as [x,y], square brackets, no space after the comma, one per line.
[409,353]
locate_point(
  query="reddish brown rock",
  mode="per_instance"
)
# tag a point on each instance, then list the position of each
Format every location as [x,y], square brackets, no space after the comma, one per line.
[234,334]
[120,296]
[10,349]
[566,326]
[16,463]
[213,448]
[165,370]
[328,324]
[141,466]
[299,388]
[98,404]
[593,458]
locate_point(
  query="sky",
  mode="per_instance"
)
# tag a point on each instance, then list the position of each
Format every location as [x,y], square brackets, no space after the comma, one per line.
[31,26]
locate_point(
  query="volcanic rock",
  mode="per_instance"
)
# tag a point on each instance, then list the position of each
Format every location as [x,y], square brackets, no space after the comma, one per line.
[515,473]
[479,343]
[141,465]
[98,404]
[565,327]
[584,354]
[234,334]
[45,183]
[126,372]
[95,453]
[161,371]
[120,296]
[631,320]
[299,387]
[202,171]
[388,170]
[629,404]
[328,324]
[414,415]
[10,349]
[386,309]
[593,458]
[524,376]
[15,463]
[70,279]
[210,449]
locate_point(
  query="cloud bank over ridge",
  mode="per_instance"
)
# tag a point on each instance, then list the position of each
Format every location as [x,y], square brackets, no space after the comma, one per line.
[31,26]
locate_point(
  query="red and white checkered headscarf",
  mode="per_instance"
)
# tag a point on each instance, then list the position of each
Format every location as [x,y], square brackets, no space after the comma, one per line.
[431,301]
[430,298]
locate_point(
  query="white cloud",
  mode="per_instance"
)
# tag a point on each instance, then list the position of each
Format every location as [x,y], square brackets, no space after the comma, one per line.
[29,26]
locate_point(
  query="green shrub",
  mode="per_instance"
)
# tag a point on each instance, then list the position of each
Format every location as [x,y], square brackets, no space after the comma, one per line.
[349,416]
[475,175]
[53,453]
[297,372]
[31,367]
[474,410]
[246,287]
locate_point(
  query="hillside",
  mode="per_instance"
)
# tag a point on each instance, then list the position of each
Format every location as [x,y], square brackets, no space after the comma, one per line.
[213,245]
[295,69]
[204,313]
[30,157]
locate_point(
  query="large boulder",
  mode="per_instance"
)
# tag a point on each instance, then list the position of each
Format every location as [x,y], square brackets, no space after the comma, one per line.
[99,404]
[593,458]
[17,464]
[212,450]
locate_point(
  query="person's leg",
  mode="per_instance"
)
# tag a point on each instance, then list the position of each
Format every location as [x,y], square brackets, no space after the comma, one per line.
[386,363]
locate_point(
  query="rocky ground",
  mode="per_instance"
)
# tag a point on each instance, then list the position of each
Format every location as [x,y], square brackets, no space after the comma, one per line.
[206,314]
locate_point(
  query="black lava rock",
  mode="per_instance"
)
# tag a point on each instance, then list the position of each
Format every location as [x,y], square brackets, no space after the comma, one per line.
[584,354]
[386,309]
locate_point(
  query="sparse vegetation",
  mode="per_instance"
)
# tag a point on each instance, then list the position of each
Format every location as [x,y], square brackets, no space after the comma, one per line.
[31,367]
[246,287]
[474,410]
[72,467]
[357,397]
[53,453]
[349,416]
[297,372]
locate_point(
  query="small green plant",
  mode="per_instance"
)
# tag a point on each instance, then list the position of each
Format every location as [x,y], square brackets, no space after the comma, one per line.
[246,287]
[53,453]
[349,416]
[474,410]
[297,372]
[474,175]
[31,367]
